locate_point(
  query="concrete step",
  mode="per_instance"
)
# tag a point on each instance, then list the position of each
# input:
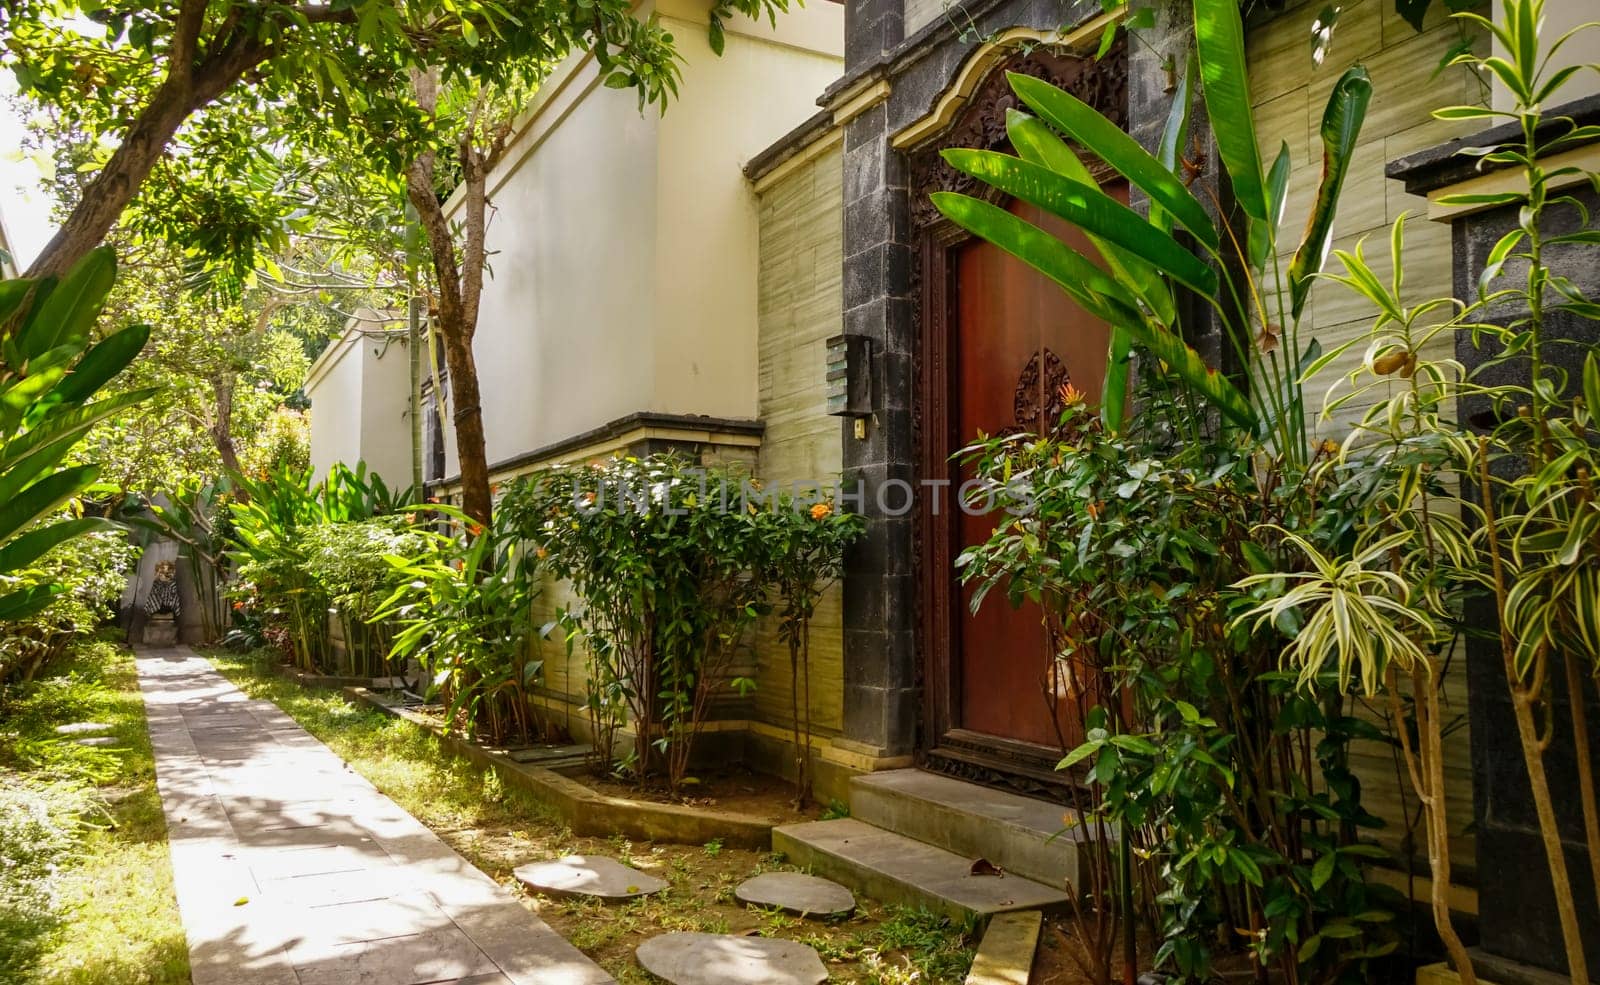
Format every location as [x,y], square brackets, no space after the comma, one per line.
[1031,838]
[892,868]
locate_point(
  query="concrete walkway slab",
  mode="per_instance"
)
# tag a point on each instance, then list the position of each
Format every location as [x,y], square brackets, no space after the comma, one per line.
[291,868]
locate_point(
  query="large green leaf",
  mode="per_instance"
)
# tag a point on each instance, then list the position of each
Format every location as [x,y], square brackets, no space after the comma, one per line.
[1037,143]
[1114,391]
[1099,294]
[72,421]
[69,312]
[1174,134]
[1112,144]
[29,547]
[101,363]
[25,602]
[1088,208]
[1219,43]
[1341,126]
[43,496]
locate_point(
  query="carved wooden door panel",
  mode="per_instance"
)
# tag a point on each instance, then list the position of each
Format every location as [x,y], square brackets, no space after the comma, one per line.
[1015,340]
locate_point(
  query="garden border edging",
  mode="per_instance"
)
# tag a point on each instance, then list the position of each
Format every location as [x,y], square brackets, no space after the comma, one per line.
[586,811]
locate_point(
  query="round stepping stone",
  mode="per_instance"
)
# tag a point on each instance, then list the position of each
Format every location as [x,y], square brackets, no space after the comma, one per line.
[81,728]
[796,892]
[98,740]
[723,959]
[588,875]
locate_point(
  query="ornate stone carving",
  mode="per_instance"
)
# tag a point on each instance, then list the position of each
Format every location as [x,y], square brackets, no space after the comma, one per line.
[1103,84]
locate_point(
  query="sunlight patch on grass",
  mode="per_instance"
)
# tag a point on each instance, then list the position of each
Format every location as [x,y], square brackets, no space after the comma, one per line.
[121,923]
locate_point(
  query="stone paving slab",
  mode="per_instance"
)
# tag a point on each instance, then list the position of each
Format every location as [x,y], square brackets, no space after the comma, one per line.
[292,869]
[725,959]
[588,875]
[798,893]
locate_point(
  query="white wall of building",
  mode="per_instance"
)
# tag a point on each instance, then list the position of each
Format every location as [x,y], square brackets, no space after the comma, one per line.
[359,390]
[623,245]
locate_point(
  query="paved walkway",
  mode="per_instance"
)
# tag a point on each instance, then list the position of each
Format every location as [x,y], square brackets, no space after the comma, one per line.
[291,868]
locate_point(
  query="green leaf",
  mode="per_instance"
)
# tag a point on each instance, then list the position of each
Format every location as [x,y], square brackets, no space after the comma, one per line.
[1098,293]
[29,547]
[1090,209]
[1219,43]
[1322,871]
[1591,383]
[1112,144]
[27,601]
[100,364]
[67,315]
[42,497]
[716,37]
[1114,391]
[1341,126]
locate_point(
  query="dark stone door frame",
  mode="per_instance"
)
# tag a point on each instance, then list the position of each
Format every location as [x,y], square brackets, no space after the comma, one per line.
[883,688]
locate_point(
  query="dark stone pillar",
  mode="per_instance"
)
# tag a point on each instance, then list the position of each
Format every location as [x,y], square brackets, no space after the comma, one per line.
[872,28]
[880,697]
[1517,912]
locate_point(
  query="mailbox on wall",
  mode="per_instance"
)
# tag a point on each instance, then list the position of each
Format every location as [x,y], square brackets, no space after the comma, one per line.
[849,379]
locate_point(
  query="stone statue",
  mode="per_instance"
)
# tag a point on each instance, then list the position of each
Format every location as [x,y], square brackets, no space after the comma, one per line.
[163,598]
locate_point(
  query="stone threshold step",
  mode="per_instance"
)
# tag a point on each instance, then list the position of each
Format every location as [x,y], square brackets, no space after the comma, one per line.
[892,868]
[1028,837]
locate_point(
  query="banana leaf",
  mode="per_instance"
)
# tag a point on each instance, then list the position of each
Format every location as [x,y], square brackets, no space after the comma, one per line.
[1219,43]
[1112,144]
[1341,126]
[1088,208]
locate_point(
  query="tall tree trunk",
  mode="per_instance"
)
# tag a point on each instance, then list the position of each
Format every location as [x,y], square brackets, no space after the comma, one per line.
[460,285]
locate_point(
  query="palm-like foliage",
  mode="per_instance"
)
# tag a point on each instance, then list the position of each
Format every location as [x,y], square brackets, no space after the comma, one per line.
[1144,263]
[50,370]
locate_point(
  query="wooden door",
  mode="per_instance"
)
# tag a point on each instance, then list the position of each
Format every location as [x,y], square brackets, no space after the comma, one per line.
[1011,340]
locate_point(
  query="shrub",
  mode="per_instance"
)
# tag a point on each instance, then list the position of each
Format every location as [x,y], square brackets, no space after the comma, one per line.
[91,572]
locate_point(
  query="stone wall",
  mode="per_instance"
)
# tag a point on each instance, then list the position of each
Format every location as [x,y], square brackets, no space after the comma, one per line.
[1289,95]
[798,311]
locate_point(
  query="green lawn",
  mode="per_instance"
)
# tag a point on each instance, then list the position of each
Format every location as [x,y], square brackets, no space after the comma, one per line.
[119,918]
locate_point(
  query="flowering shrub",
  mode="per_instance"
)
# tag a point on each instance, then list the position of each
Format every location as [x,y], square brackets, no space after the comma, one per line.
[673,564]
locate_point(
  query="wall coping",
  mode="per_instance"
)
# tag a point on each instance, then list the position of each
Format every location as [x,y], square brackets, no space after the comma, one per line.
[1443,165]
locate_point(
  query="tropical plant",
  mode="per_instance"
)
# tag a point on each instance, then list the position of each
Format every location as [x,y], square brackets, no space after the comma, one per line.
[463,607]
[50,371]
[277,573]
[1210,791]
[1256,293]
[1498,507]
[92,571]
[350,564]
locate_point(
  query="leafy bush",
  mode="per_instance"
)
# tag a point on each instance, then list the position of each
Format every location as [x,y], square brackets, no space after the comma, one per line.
[349,565]
[90,572]
[673,564]
[464,608]
[279,583]
[39,830]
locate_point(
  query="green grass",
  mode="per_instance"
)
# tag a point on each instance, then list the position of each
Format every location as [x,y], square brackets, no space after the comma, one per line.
[121,923]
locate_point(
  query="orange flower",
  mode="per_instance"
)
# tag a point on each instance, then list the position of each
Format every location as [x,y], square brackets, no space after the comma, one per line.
[475,529]
[238,606]
[494,489]
[541,553]
[1070,395]
[460,564]
[820,510]
[1093,510]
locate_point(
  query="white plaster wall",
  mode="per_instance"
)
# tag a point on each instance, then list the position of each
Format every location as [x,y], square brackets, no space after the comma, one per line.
[565,329]
[385,410]
[732,108]
[334,389]
[623,245]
